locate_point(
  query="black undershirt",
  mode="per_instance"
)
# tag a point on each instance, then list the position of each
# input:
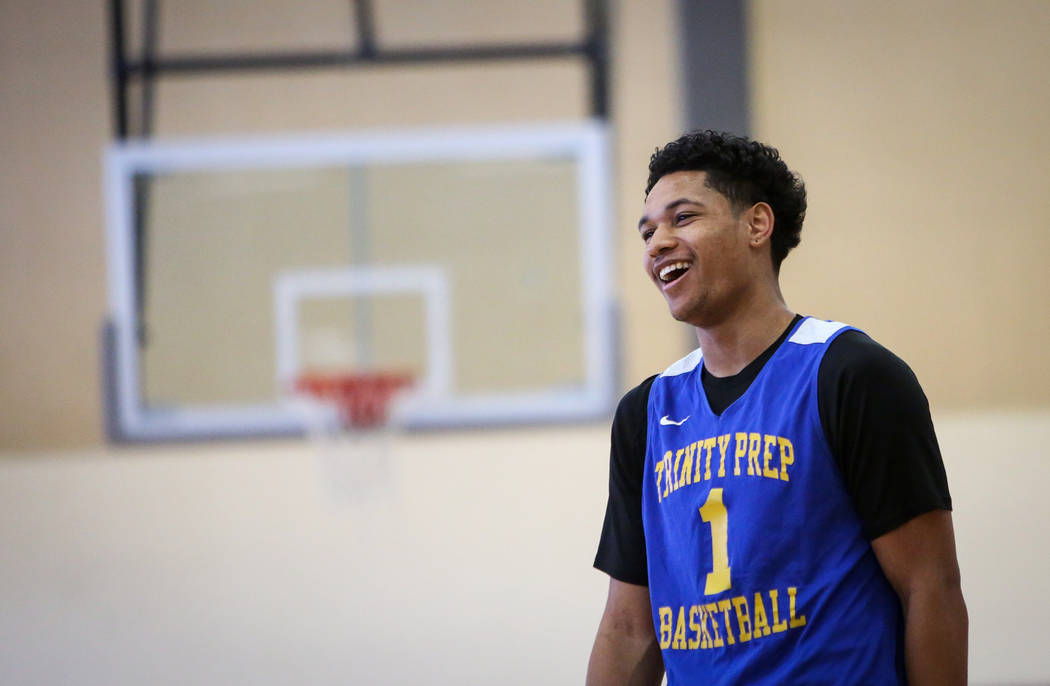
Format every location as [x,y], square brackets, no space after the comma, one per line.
[876,420]
[722,391]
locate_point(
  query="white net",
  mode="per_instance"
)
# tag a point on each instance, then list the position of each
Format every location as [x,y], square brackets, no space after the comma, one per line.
[350,421]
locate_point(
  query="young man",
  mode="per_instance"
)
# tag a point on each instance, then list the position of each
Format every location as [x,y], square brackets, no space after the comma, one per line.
[778,508]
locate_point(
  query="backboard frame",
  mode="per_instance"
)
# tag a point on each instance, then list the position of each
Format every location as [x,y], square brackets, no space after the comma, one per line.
[586,142]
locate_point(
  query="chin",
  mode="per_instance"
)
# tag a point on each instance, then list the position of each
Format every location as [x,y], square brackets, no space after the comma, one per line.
[683,312]
[692,312]
[681,317]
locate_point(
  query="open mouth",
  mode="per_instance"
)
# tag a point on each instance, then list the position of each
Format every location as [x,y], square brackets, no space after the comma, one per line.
[670,273]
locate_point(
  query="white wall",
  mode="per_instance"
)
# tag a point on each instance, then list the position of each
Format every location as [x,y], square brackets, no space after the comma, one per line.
[999,477]
[237,564]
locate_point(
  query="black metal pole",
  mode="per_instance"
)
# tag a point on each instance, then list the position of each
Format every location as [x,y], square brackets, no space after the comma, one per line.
[149,55]
[141,183]
[366,30]
[308,60]
[119,68]
[598,52]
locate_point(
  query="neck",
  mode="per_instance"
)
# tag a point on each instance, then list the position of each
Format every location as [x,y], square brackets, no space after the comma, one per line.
[733,343]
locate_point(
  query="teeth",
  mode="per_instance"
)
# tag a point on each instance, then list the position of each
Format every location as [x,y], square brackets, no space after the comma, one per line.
[667,269]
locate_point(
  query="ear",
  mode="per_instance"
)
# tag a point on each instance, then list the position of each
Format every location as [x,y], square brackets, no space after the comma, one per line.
[759,224]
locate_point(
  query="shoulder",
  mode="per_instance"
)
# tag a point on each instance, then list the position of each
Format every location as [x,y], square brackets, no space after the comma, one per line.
[877,423]
[629,426]
[633,405]
[859,375]
[854,356]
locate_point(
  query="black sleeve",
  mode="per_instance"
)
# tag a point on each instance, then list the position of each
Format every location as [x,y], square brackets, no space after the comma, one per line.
[621,549]
[877,422]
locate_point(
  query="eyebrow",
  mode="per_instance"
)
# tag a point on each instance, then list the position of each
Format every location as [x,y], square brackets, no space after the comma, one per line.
[670,206]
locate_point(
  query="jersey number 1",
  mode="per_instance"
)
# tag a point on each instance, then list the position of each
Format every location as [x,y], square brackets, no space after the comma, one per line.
[714,513]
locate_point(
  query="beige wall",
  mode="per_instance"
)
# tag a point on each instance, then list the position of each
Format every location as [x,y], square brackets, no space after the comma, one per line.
[921,131]
[53,124]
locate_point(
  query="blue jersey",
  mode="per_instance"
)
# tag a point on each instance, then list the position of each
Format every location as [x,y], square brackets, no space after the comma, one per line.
[759,572]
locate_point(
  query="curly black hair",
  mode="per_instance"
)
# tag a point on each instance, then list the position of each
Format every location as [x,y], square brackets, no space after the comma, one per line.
[746,172]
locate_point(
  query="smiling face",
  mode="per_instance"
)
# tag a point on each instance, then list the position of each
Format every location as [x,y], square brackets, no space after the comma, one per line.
[706,257]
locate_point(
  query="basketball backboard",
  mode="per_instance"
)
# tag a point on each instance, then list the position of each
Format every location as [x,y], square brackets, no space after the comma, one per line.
[477,260]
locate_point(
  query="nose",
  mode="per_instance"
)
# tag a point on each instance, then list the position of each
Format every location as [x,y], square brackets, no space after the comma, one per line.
[661,241]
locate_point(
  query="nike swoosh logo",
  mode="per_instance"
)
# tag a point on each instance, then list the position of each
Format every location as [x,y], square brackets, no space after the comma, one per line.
[667,421]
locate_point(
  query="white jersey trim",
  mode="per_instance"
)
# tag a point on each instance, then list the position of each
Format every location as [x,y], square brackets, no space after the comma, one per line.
[810,331]
[685,365]
[813,331]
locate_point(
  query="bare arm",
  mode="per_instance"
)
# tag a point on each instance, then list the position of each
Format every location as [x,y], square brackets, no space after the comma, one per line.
[920,562]
[626,652]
